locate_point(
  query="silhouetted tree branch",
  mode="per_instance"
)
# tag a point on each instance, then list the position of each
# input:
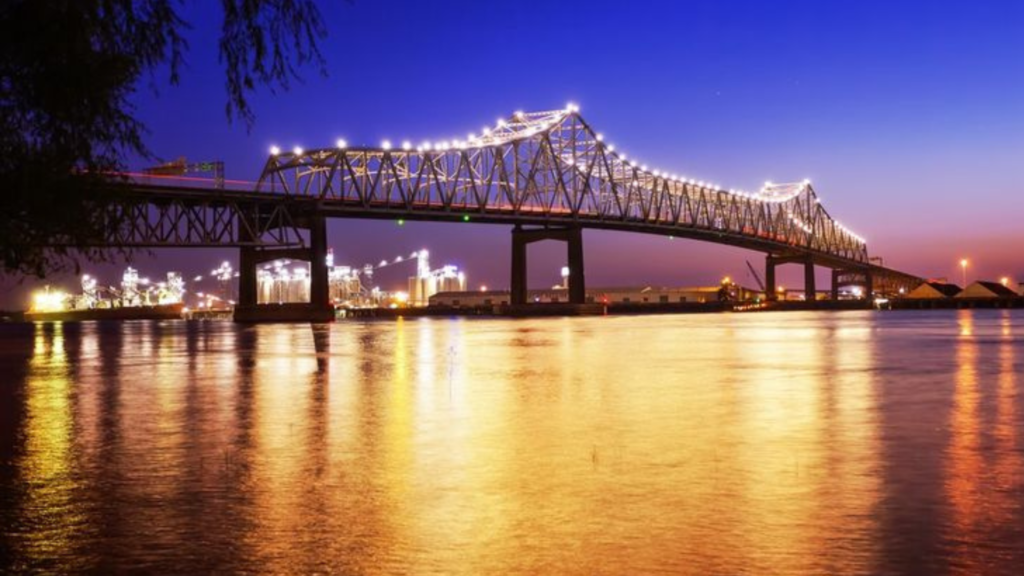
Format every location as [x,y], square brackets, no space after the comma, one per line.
[68,69]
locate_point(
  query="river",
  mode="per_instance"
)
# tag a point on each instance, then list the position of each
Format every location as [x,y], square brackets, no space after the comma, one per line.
[757,443]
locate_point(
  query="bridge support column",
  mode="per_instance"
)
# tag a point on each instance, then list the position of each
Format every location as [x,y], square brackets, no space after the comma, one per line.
[573,236]
[318,309]
[810,290]
[247,277]
[771,294]
[517,297]
[869,287]
[835,285]
[319,287]
[577,287]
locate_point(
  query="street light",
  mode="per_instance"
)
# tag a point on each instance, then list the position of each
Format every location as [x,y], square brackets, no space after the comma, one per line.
[963,271]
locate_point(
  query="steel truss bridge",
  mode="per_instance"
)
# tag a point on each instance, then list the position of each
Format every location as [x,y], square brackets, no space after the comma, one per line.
[548,174]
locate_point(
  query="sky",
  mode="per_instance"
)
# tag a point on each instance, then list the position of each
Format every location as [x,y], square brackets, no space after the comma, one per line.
[907,116]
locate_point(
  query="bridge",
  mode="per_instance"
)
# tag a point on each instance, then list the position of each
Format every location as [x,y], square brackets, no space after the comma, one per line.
[549,175]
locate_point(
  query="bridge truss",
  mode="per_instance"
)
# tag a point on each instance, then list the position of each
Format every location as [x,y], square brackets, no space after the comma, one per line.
[163,217]
[552,168]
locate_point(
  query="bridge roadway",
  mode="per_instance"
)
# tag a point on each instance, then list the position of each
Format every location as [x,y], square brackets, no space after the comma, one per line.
[547,174]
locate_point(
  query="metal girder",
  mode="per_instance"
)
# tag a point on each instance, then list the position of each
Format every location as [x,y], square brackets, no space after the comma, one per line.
[187,220]
[551,167]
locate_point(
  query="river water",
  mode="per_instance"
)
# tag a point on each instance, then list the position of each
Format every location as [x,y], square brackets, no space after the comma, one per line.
[760,443]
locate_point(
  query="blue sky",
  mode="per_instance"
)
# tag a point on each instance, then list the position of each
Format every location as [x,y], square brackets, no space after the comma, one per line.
[907,116]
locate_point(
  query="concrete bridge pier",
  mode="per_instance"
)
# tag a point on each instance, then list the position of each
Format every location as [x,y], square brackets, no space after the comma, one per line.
[318,309]
[521,237]
[864,279]
[247,264]
[771,292]
[810,289]
[771,261]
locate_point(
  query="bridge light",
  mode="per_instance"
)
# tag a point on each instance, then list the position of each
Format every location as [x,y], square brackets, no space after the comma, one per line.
[297,150]
[519,114]
[657,173]
[386,144]
[341,144]
[426,146]
[401,222]
[274,150]
[465,217]
[633,164]
[644,167]
[471,137]
[600,137]
[501,123]
[611,148]
[406,145]
[486,131]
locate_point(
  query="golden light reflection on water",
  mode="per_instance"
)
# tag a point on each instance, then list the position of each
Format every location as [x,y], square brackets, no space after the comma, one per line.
[51,513]
[746,443]
[983,491]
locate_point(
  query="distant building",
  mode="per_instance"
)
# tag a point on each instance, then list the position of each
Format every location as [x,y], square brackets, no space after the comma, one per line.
[427,283]
[981,289]
[636,295]
[933,291]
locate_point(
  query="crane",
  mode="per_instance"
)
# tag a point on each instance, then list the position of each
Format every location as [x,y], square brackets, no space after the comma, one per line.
[756,277]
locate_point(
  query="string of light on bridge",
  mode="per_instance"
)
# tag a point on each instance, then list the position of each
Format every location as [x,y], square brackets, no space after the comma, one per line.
[524,125]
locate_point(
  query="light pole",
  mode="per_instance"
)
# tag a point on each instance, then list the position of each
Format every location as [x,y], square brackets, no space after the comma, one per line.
[963,272]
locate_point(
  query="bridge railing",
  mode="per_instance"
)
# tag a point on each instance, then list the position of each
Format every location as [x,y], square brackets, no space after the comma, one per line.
[188,182]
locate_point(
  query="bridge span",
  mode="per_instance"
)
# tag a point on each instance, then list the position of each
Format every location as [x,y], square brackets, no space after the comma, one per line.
[547,174]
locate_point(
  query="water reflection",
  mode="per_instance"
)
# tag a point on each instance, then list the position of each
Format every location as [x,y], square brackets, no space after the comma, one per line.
[760,443]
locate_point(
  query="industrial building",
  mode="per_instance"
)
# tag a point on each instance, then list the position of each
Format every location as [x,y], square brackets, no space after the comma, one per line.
[285,282]
[986,290]
[431,282]
[622,295]
[933,291]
